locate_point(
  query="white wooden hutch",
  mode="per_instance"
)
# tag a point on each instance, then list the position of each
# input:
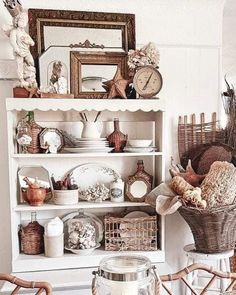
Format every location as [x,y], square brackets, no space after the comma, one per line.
[139,118]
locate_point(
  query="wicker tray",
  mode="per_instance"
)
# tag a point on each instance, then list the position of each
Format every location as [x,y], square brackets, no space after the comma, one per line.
[214,231]
[131,234]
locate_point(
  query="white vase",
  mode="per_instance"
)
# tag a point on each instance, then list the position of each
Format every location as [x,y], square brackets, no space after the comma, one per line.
[90,130]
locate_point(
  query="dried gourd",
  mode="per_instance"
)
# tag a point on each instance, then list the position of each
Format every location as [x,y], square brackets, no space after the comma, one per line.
[219,186]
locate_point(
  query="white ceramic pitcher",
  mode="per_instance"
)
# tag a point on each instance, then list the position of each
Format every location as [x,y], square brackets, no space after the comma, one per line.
[90,130]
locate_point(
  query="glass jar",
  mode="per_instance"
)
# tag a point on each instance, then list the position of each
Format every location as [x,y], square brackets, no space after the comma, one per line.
[80,232]
[126,275]
[23,136]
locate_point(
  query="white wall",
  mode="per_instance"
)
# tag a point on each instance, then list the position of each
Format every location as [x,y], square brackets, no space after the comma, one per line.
[229,41]
[188,33]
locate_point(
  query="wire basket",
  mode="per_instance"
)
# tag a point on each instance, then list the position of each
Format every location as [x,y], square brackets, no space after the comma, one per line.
[131,234]
[214,230]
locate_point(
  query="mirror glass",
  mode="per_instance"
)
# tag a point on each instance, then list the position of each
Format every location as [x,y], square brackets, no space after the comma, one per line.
[138,189]
[71,36]
[91,76]
[32,173]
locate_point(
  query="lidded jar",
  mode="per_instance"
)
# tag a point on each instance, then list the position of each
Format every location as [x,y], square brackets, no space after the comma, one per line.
[117,139]
[126,275]
[80,232]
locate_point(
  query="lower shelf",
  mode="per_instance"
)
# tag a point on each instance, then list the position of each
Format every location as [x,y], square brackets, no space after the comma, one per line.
[25,263]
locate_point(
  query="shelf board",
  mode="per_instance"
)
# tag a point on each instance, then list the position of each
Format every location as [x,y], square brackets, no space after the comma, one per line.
[86,155]
[114,105]
[80,205]
[69,261]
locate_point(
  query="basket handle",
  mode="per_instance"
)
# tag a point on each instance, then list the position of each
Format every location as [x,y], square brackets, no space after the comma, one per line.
[93,286]
[157,281]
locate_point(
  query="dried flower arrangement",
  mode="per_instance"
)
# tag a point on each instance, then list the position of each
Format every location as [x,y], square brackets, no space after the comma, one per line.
[67,184]
[97,193]
[147,55]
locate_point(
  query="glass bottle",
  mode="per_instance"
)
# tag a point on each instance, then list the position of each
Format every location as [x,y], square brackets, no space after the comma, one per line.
[142,173]
[31,236]
[117,139]
[23,136]
[35,129]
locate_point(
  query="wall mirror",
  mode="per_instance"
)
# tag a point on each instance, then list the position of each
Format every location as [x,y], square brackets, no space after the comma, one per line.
[90,70]
[137,189]
[33,172]
[79,29]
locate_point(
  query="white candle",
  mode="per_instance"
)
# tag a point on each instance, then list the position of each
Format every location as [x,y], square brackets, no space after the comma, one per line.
[123,288]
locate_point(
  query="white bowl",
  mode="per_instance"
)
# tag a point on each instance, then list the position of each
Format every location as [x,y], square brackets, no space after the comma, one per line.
[82,251]
[140,142]
[65,197]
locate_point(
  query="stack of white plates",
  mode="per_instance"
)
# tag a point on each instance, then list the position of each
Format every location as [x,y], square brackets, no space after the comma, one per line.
[90,145]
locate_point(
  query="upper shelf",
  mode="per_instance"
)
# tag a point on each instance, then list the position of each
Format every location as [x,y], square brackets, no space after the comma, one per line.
[114,105]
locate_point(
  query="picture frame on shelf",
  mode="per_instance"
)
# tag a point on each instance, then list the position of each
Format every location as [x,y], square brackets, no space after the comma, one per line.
[115,31]
[90,70]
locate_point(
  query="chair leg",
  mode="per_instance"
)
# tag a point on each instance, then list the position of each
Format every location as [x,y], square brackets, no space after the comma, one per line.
[190,276]
[225,267]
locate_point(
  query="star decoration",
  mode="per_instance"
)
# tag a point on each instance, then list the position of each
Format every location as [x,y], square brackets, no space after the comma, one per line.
[116,87]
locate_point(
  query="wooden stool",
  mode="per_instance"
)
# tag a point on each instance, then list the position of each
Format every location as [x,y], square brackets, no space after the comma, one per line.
[222,260]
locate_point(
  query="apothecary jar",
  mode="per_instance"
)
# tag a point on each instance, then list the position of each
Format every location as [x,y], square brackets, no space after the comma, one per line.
[126,275]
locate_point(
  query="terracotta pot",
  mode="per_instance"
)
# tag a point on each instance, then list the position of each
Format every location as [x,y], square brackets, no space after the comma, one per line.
[35,196]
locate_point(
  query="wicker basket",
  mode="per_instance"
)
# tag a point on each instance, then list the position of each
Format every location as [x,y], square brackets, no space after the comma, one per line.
[214,230]
[131,234]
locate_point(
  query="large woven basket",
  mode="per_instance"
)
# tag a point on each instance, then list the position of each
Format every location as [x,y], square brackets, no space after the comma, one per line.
[214,230]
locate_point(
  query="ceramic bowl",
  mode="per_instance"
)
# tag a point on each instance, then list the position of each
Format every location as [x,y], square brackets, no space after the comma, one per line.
[82,251]
[140,142]
[65,197]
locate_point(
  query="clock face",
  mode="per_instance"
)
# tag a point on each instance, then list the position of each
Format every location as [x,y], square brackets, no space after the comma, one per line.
[147,81]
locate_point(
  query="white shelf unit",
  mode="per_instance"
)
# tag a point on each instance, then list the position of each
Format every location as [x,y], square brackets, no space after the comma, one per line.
[63,113]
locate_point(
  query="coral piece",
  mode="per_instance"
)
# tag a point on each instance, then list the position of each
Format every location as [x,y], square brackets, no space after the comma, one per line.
[219,186]
[179,185]
[189,175]
[193,197]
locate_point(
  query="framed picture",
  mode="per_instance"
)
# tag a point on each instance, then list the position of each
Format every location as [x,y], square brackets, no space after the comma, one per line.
[90,70]
[49,28]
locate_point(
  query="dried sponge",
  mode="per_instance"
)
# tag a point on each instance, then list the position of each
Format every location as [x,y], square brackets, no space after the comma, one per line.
[219,186]
[179,185]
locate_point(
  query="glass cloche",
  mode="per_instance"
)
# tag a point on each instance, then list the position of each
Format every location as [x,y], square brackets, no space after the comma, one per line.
[82,232]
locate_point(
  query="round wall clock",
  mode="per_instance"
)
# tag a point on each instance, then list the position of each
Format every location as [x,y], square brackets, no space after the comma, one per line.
[147,81]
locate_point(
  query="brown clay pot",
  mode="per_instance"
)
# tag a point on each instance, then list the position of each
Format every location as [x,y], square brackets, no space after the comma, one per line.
[35,196]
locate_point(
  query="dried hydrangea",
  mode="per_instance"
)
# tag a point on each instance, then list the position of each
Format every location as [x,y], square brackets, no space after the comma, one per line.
[147,55]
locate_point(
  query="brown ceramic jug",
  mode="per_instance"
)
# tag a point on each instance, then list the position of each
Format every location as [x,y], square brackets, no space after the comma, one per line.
[117,139]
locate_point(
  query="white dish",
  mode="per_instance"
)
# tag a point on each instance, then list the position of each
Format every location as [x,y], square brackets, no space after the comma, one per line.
[87,150]
[90,174]
[140,142]
[91,139]
[99,223]
[124,226]
[139,149]
[83,251]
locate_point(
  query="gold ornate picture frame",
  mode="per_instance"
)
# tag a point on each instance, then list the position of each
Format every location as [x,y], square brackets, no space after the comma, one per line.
[41,20]
[94,68]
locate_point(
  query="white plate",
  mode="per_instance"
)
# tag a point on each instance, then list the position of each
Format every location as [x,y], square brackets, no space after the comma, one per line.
[87,150]
[139,149]
[83,251]
[140,142]
[91,139]
[123,226]
[90,174]
[99,223]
